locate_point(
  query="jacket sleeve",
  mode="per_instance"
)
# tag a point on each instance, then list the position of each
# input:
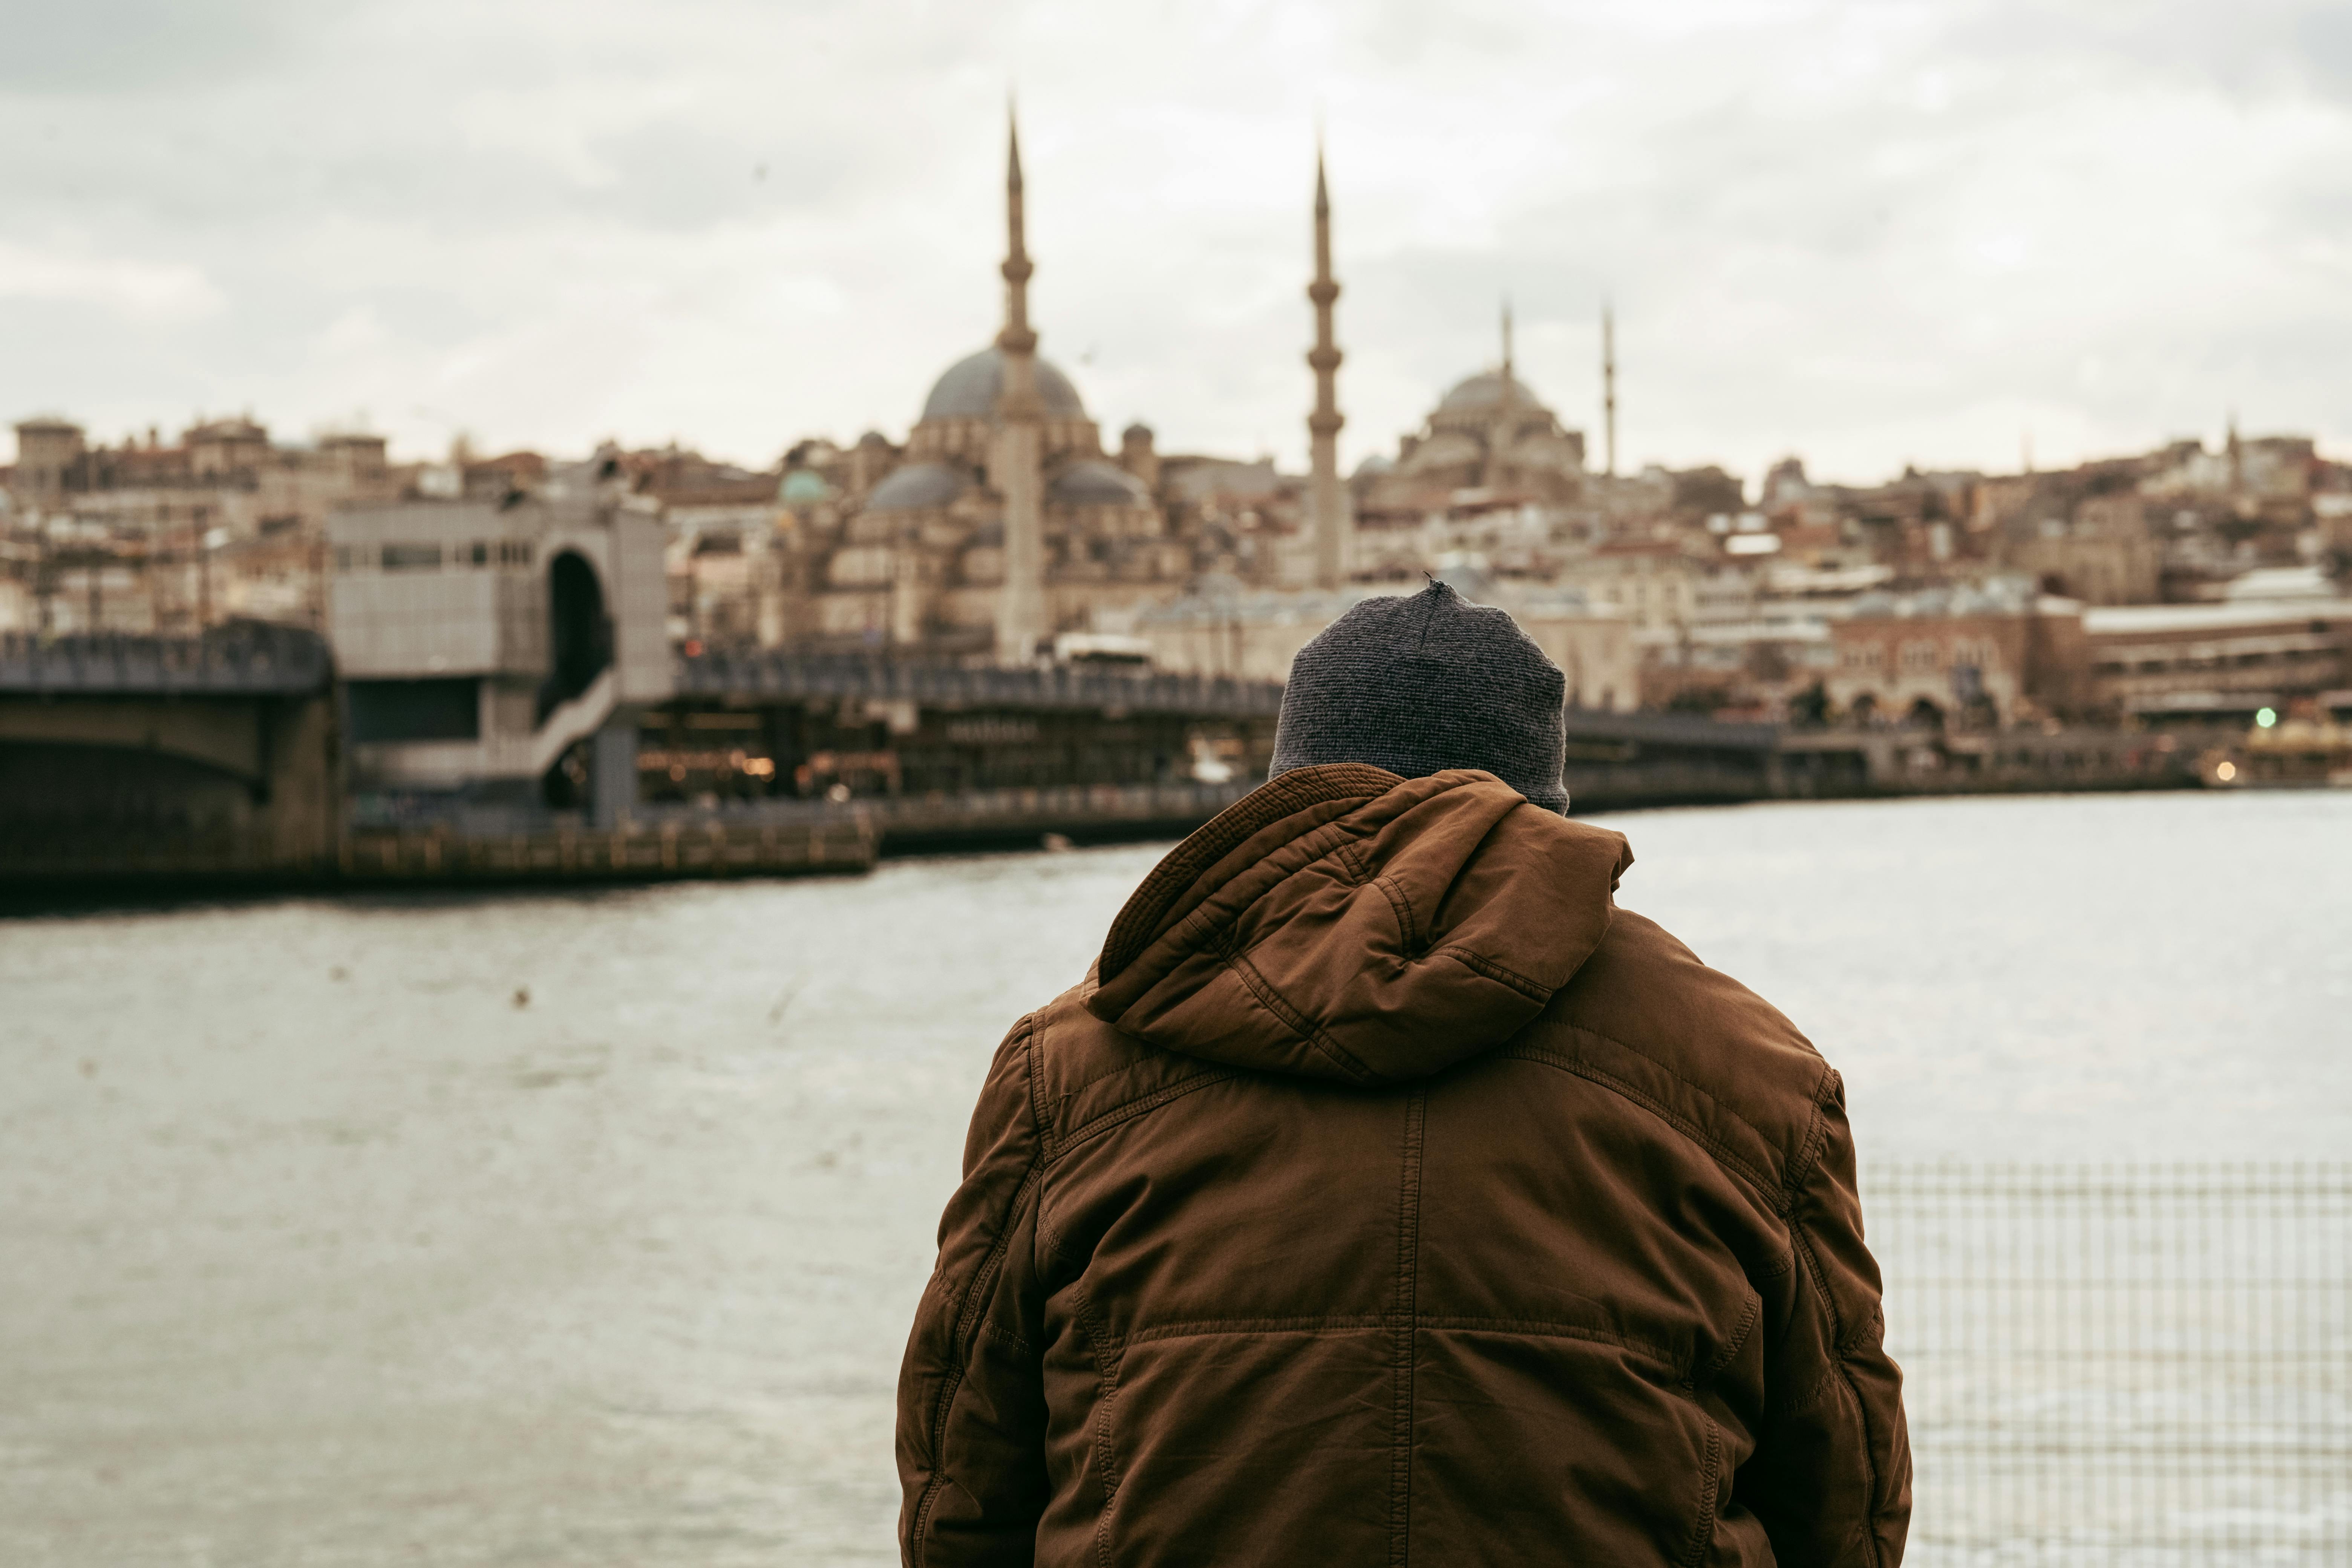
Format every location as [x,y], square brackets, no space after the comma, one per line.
[1831,1474]
[971,1411]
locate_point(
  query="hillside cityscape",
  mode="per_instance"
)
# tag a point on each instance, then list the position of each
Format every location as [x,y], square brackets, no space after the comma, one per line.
[1005,528]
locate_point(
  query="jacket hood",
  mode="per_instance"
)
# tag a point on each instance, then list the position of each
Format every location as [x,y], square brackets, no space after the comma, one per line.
[1340,922]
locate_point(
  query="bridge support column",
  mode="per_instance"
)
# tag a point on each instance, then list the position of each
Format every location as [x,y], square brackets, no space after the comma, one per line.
[613,772]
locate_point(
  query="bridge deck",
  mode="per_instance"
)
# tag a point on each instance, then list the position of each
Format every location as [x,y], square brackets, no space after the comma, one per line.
[250,660]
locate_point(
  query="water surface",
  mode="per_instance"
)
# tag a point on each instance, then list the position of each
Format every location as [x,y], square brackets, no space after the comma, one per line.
[583,1228]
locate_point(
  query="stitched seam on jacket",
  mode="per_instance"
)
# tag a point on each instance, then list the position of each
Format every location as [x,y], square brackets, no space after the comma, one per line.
[966,1309]
[1273,1001]
[1089,1325]
[1317,845]
[1407,1348]
[1817,1133]
[1137,1107]
[1401,913]
[1769,1190]
[1515,1327]
[1037,1117]
[1541,1329]
[1750,1315]
[1501,974]
[1709,1497]
[1408,922]
[1212,1328]
[1105,1076]
[1669,1070]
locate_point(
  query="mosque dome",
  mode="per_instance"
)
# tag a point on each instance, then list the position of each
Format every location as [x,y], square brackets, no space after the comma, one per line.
[969,388]
[916,487]
[1091,482]
[1484,390]
[801,487]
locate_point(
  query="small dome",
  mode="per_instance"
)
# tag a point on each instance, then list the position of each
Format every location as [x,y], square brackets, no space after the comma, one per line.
[1137,432]
[1090,482]
[1484,390]
[969,388]
[916,487]
[801,487]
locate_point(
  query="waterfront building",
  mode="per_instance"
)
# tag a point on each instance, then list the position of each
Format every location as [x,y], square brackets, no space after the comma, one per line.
[2221,662]
[1970,656]
[499,650]
[1664,585]
[146,537]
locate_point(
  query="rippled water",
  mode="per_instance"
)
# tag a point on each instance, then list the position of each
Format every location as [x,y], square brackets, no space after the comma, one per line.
[584,1228]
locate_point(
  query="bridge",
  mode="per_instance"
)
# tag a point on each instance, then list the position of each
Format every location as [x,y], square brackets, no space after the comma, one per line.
[222,756]
[130,756]
[247,659]
[751,678]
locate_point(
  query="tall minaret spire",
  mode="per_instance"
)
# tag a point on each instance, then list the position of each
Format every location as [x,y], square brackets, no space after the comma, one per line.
[1609,388]
[1021,621]
[1327,505]
[1503,432]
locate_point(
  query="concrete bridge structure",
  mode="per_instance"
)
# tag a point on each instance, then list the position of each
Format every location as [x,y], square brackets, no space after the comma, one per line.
[224,756]
[150,756]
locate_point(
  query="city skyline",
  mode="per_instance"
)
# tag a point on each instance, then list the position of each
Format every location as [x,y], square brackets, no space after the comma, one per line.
[732,232]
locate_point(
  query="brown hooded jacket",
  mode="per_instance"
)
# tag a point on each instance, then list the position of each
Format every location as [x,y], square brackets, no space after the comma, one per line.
[1387,1195]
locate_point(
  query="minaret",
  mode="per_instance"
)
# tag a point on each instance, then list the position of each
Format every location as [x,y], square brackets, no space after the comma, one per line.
[1327,506]
[1020,417]
[1499,435]
[1609,389]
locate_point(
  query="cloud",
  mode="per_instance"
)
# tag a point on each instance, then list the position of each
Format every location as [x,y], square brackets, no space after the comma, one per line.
[1870,231]
[138,293]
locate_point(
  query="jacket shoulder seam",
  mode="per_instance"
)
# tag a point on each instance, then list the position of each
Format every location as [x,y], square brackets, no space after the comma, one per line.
[1776,1193]
[1817,1133]
[1128,1110]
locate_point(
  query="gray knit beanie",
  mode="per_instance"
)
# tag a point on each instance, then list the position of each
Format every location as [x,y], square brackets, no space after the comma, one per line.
[1418,685]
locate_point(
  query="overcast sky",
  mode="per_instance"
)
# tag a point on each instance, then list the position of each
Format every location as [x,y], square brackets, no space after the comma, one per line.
[1871,234]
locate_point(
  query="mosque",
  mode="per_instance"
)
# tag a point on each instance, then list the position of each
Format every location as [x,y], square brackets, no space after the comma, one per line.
[1488,439]
[1003,521]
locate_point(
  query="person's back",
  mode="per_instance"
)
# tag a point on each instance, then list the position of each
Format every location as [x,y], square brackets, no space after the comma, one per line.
[1386,1195]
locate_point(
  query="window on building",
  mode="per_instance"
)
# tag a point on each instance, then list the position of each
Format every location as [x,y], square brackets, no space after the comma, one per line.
[412,558]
